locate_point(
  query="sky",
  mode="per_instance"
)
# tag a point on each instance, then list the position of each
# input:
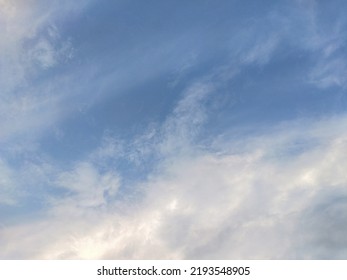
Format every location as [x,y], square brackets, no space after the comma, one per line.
[173,129]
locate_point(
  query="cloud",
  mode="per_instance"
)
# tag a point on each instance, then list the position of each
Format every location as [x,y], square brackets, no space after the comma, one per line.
[261,52]
[31,45]
[330,72]
[279,194]
[305,26]
[48,51]
[182,127]
[325,38]
[7,185]
[89,187]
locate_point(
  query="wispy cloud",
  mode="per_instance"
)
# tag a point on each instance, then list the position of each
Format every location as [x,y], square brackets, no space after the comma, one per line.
[261,198]
[31,45]
[8,186]
[89,188]
[192,183]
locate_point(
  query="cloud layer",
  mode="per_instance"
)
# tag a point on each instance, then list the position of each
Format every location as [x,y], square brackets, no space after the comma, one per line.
[210,131]
[259,197]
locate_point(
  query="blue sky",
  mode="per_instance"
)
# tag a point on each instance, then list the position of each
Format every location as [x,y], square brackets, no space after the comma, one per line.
[173,129]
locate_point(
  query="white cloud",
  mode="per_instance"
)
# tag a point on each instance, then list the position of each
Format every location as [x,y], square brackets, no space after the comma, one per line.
[182,126]
[30,45]
[331,72]
[326,41]
[266,196]
[261,201]
[89,187]
[261,52]
[24,180]
[303,27]
[7,185]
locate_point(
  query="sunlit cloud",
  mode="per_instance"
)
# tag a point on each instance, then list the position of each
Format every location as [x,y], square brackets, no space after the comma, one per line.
[248,203]
[172,135]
